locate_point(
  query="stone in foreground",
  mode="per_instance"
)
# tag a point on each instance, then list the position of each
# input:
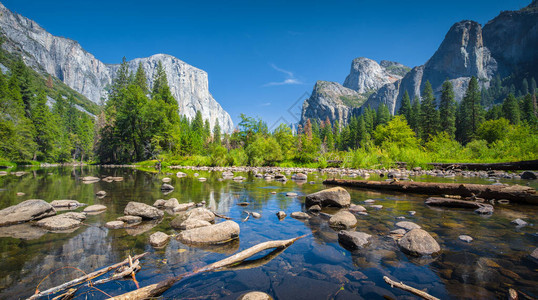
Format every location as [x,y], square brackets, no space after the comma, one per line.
[158,239]
[142,210]
[418,242]
[337,197]
[214,234]
[300,215]
[61,222]
[188,224]
[28,210]
[255,296]
[115,224]
[343,219]
[353,240]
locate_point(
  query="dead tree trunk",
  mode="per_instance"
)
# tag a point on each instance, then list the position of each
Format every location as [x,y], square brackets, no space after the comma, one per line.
[515,193]
[506,166]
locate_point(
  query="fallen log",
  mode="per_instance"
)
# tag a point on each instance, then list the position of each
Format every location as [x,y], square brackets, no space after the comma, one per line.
[481,208]
[84,278]
[515,193]
[157,289]
[410,289]
[506,166]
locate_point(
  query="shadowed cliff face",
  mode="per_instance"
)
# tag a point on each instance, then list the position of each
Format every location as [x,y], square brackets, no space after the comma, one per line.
[80,70]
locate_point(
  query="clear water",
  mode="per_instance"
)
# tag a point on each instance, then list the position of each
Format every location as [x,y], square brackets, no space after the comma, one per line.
[315,267]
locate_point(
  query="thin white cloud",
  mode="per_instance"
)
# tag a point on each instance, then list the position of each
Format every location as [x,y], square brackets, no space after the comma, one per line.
[288,81]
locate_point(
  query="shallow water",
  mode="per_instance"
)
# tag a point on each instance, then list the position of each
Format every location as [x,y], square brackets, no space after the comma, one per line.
[315,267]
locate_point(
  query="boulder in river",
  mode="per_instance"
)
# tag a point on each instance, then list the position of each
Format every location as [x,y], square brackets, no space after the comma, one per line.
[61,222]
[281,215]
[184,206]
[300,215]
[25,211]
[182,224]
[93,209]
[142,210]
[465,238]
[200,213]
[407,225]
[66,203]
[518,222]
[336,196]
[356,208]
[418,242]
[214,234]
[314,208]
[255,296]
[130,219]
[300,176]
[115,224]
[529,175]
[171,203]
[158,239]
[353,240]
[343,219]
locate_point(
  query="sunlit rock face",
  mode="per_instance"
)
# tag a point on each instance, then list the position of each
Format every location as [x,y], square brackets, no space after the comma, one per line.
[80,70]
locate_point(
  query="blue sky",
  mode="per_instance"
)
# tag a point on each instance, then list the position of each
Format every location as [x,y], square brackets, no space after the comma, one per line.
[261,56]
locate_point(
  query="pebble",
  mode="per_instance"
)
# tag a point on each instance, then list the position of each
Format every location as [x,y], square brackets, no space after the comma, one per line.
[369,201]
[465,238]
[518,222]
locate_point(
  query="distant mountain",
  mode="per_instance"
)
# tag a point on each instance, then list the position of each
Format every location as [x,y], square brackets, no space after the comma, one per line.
[80,70]
[506,45]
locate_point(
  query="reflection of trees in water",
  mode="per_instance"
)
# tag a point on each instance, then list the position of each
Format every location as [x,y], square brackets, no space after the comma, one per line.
[87,250]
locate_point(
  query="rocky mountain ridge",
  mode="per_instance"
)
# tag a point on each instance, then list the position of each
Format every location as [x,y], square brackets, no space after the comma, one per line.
[504,46]
[68,61]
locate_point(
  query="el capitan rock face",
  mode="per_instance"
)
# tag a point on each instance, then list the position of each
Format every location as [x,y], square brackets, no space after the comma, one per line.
[80,70]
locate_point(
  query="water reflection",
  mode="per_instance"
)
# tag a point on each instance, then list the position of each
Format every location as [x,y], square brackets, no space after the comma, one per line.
[315,267]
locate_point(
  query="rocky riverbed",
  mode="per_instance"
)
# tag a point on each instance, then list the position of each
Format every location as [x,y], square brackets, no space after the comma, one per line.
[354,237]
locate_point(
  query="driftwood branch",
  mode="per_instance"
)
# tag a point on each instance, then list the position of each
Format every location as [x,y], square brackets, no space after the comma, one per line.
[248,216]
[514,193]
[83,278]
[221,216]
[405,287]
[157,289]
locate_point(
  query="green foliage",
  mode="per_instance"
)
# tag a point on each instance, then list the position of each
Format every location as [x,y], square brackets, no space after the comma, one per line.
[470,113]
[396,132]
[447,110]
[510,109]
[429,115]
[493,130]
[353,101]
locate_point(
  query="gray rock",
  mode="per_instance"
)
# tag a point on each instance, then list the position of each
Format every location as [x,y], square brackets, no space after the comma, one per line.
[184,206]
[418,242]
[534,254]
[314,208]
[465,238]
[181,174]
[399,231]
[142,210]
[256,215]
[66,203]
[171,203]
[291,194]
[100,194]
[343,219]
[200,213]
[213,234]
[281,215]
[166,180]
[485,209]
[189,224]
[337,197]
[90,179]
[407,225]
[115,224]
[353,240]
[301,176]
[518,222]
[299,215]
[159,203]
[61,222]
[255,296]
[25,211]
[369,201]
[130,219]
[158,239]
[529,175]
[356,208]
[24,231]
[96,208]
[377,206]
[367,75]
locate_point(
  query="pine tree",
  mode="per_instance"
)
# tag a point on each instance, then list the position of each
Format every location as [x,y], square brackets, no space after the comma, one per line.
[524,87]
[140,78]
[527,113]
[470,113]
[533,86]
[414,117]
[510,109]
[429,114]
[405,108]
[216,132]
[447,109]
[383,115]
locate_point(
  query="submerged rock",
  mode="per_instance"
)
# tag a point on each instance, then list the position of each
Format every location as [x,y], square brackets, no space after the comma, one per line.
[214,234]
[158,239]
[23,231]
[256,215]
[353,240]
[343,219]
[529,175]
[337,197]
[25,211]
[418,242]
[357,208]
[142,210]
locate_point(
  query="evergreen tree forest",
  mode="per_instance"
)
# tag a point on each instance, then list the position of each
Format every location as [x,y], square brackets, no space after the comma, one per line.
[42,121]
